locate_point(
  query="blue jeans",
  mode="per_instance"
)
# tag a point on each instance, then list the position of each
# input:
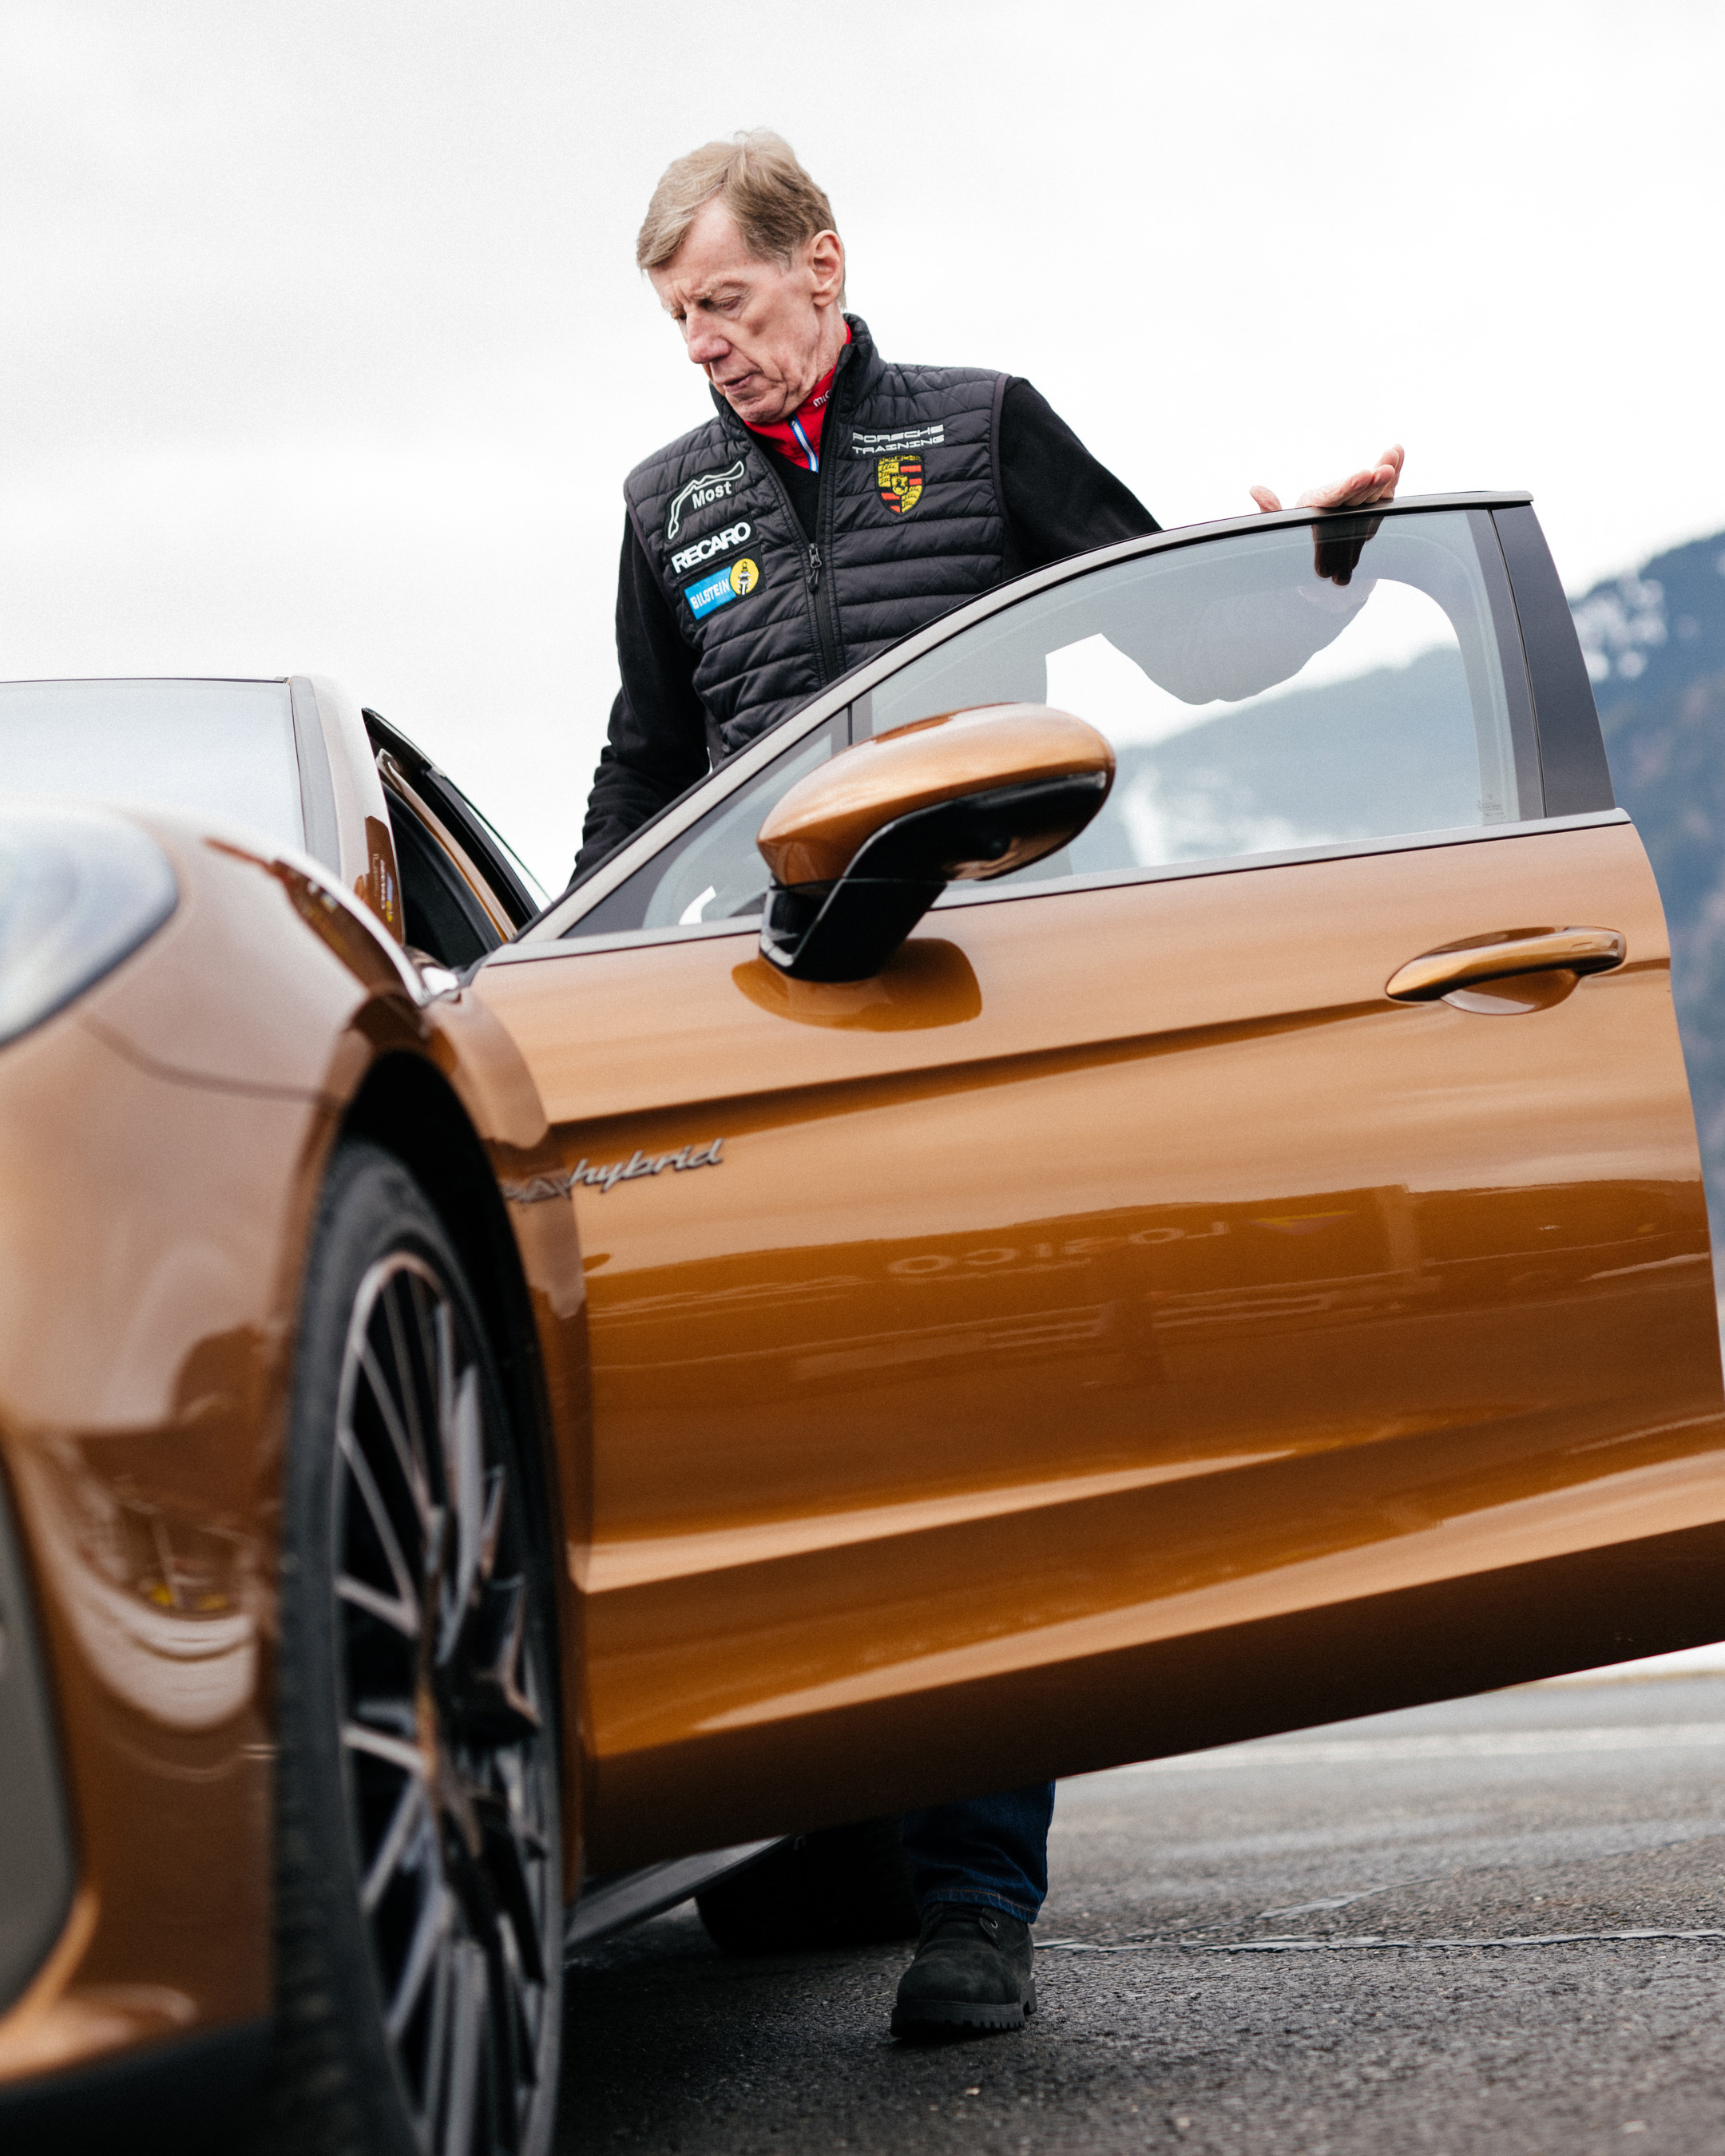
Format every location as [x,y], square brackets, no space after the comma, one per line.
[991,1850]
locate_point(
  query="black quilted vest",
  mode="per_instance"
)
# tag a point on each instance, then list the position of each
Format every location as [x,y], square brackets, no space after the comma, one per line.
[909,523]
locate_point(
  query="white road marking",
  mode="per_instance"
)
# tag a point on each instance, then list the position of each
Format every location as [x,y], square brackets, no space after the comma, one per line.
[1367,1943]
[1460,1744]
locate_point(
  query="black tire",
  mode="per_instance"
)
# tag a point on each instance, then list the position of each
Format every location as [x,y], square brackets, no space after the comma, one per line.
[418,1912]
[841,1887]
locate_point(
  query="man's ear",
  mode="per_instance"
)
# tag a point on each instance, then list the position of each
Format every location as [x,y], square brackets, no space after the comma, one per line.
[824,254]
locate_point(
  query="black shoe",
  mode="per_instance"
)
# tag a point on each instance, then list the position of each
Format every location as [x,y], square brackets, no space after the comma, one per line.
[972,1971]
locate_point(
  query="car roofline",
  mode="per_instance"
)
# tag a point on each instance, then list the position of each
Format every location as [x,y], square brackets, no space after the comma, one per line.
[69,680]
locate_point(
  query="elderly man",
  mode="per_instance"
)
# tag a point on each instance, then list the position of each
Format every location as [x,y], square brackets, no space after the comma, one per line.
[870,497]
[835,502]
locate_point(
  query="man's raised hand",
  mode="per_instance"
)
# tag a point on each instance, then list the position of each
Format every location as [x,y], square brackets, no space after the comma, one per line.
[1364,490]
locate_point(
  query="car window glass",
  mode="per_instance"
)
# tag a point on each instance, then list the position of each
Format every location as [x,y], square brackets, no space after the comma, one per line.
[441,916]
[211,748]
[1301,686]
[524,875]
[714,871]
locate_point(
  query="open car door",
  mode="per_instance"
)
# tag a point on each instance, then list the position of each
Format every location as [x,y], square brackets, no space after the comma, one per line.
[464,891]
[1183,1295]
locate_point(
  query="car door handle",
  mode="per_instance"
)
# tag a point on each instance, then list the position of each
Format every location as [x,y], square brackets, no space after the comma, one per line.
[1438,974]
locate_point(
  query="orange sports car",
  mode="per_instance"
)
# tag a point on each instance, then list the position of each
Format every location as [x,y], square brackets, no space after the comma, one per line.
[1121,1181]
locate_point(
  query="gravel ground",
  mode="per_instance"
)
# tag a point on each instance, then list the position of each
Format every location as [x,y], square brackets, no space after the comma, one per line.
[1306,1956]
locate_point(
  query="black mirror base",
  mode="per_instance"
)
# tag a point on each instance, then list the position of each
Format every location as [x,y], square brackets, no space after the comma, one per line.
[841,931]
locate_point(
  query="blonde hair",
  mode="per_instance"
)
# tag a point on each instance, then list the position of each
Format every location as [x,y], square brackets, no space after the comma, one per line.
[755,175]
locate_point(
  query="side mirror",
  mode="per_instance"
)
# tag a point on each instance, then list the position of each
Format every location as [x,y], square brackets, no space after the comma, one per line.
[861,849]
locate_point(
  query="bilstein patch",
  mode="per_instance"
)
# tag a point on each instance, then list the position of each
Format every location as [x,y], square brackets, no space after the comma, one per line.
[722,586]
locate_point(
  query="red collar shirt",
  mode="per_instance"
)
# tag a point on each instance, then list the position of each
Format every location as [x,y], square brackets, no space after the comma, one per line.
[799,436]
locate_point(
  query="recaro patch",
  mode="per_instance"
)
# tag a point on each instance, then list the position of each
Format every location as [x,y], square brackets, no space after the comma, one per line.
[716,542]
[718,590]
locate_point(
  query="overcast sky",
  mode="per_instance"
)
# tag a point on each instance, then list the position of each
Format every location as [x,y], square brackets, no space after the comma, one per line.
[324,351]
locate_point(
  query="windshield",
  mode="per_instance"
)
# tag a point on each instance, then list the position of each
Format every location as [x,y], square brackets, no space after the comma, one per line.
[224,749]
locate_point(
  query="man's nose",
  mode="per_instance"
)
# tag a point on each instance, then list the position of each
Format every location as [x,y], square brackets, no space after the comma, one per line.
[705,344]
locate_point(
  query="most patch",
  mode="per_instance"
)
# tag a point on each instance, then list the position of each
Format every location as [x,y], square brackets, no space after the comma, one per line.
[900,480]
[724,585]
[704,489]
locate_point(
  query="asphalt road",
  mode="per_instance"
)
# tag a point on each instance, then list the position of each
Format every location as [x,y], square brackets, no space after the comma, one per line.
[1392,1935]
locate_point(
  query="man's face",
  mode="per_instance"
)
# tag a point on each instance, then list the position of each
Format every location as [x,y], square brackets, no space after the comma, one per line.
[763,334]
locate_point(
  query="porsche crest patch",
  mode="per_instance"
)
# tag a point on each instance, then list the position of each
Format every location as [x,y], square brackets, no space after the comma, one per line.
[900,480]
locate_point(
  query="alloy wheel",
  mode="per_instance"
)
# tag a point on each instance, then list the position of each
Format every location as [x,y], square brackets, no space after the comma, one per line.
[445,1728]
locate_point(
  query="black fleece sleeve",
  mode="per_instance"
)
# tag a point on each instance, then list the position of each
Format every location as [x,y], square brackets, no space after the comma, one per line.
[1059,499]
[657,745]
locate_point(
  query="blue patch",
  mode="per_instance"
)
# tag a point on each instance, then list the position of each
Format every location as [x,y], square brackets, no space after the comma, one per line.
[709,592]
[721,587]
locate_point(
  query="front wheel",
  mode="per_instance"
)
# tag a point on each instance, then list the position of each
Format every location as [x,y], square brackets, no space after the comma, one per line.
[418,1919]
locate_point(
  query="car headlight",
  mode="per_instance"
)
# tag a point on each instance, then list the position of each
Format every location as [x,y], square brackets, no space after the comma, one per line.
[79,891]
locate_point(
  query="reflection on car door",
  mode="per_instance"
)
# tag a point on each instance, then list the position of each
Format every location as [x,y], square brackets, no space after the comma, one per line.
[1122,1326]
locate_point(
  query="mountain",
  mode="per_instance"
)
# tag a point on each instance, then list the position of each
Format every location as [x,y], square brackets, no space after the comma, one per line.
[1654,641]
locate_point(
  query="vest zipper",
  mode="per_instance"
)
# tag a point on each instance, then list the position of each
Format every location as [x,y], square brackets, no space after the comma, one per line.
[826,652]
[830,665]
[826,619]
